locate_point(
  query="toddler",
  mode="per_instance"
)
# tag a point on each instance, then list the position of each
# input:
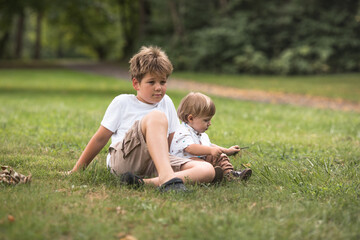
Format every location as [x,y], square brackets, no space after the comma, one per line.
[190,140]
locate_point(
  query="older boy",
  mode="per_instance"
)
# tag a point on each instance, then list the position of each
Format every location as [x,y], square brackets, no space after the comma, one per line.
[141,128]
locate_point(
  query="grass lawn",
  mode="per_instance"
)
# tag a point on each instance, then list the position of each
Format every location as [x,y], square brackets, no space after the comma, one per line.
[305,184]
[344,86]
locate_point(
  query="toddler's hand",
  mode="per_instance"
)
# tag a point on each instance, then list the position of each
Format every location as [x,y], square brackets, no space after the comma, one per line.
[215,152]
[233,150]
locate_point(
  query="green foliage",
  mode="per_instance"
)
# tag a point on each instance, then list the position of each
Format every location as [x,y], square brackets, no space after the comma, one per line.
[251,61]
[93,25]
[305,161]
[272,37]
[71,29]
[238,36]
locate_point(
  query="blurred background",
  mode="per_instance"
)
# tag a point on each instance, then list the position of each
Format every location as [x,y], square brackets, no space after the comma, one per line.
[223,36]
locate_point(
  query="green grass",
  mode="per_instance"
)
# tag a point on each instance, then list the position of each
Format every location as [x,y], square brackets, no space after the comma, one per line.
[343,86]
[306,182]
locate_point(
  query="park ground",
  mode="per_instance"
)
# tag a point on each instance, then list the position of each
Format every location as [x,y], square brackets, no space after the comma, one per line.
[305,160]
[186,82]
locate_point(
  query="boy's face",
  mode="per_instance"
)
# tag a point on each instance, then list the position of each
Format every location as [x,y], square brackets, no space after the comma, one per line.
[151,89]
[199,124]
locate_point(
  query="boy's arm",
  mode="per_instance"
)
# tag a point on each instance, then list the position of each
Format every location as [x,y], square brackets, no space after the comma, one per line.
[170,138]
[96,143]
[197,149]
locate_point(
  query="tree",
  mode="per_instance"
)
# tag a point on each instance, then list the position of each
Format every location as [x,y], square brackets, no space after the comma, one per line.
[20,28]
[176,19]
[93,25]
[40,7]
[129,12]
[9,12]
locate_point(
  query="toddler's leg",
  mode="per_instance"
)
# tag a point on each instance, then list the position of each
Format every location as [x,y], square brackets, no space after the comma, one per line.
[197,172]
[193,171]
[222,161]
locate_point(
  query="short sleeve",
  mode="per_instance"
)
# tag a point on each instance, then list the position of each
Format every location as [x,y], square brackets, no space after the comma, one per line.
[112,117]
[205,140]
[181,141]
[174,122]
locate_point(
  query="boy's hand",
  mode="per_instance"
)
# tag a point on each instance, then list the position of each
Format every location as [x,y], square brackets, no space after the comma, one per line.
[215,152]
[233,150]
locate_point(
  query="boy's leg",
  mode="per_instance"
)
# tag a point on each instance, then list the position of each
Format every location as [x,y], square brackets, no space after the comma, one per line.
[154,127]
[145,149]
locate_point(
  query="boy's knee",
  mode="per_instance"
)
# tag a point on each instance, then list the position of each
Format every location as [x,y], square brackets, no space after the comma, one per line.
[156,117]
[154,120]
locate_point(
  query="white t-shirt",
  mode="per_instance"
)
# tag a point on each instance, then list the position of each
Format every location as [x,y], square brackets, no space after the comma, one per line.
[125,109]
[184,136]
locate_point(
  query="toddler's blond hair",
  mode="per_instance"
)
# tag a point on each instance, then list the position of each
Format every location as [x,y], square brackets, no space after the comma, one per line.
[196,104]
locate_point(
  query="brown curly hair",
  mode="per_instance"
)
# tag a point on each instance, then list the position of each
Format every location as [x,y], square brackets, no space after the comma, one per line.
[150,60]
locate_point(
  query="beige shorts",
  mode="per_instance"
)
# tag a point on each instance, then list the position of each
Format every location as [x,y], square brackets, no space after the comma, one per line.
[132,155]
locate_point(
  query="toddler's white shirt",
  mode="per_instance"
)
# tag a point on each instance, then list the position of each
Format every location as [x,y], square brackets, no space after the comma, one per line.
[184,136]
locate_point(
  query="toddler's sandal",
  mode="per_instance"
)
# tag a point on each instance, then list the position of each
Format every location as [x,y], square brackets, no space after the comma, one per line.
[219,174]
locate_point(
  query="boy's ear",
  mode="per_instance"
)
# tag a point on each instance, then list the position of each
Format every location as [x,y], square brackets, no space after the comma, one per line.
[135,84]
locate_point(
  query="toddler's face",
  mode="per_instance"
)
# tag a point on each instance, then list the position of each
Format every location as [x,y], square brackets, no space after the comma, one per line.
[200,124]
[151,89]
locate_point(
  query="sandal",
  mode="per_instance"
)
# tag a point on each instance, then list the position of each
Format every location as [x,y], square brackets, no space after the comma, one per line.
[175,184]
[245,174]
[131,179]
[239,175]
[219,174]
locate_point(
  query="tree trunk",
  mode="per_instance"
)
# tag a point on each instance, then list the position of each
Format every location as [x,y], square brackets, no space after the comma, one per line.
[3,42]
[101,52]
[37,49]
[144,12]
[59,50]
[177,23]
[129,23]
[20,28]
[223,4]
